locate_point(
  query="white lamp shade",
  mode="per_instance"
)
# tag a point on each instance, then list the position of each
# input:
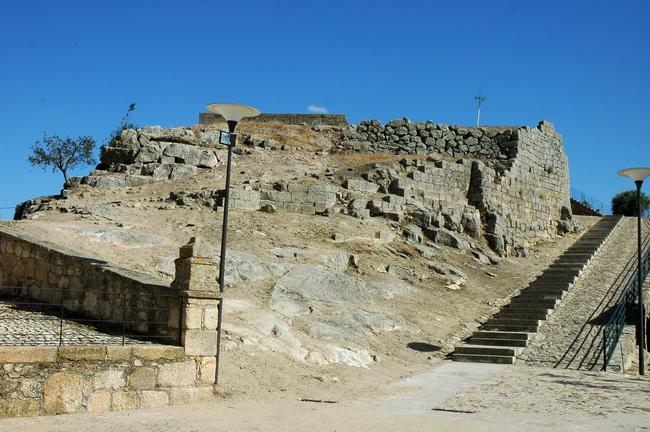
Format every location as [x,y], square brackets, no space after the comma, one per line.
[636,174]
[233,112]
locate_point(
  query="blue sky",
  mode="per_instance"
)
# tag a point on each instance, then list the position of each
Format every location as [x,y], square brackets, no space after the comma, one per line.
[73,67]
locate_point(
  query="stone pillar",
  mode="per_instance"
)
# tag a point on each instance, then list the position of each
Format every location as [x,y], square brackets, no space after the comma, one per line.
[196,283]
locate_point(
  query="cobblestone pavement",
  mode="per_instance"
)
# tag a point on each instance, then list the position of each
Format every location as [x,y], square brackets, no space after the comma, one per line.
[572,336]
[34,324]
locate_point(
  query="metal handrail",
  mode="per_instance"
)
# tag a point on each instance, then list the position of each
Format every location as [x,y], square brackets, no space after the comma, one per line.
[613,328]
[588,200]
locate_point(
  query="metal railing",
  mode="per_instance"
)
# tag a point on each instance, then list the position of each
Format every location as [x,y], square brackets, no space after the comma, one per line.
[52,320]
[613,328]
[589,201]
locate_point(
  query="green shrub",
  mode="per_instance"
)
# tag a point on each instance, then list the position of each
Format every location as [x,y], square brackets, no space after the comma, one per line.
[624,203]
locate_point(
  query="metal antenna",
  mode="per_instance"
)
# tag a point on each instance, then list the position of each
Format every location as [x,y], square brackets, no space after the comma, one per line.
[479,99]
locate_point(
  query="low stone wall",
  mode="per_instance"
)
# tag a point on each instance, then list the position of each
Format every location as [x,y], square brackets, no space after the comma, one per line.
[337,120]
[66,379]
[87,286]
[72,379]
[402,136]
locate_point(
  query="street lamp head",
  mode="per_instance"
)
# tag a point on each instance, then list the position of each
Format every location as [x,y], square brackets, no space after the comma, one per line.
[636,174]
[233,113]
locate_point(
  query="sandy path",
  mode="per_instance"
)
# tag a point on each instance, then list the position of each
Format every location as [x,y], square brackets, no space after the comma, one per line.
[506,399]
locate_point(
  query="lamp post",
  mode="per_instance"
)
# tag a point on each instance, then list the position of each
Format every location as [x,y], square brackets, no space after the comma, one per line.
[638,175]
[232,113]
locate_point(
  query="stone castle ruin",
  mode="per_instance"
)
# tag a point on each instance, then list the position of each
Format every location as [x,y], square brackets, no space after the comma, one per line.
[506,185]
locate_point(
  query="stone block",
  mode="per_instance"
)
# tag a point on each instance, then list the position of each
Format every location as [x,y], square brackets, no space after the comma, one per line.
[118,352]
[207,368]
[178,374]
[153,399]
[142,378]
[19,408]
[25,354]
[210,317]
[125,400]
[193,317]
[195,273]
[99,402]
[361,185]
[109,379]
[62,393]
[158,352]
[199,342]
[82,353]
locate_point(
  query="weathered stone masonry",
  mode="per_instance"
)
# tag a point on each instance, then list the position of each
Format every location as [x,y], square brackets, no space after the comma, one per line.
[517,178]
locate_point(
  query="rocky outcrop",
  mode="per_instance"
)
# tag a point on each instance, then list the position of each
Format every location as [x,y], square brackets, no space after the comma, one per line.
[151,154]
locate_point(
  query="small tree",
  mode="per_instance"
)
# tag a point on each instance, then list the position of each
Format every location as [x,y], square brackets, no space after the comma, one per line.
[124,124]
[62,154]
[624,203]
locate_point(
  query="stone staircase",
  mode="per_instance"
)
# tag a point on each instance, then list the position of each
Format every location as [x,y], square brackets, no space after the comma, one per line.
[505,335]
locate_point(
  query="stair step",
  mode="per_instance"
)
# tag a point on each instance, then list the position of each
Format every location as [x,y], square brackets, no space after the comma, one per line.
[556,294]
[556,277]
[530,306]
[570,267]
[511,327]
[486,350]
[474,358]
[551,289]
[500,335]
[555,273]
[513,313]
[499,342]
[558,285]
[541,303]
[515,321]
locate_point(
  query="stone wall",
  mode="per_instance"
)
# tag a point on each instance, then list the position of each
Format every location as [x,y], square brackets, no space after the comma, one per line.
[66,379]
[402,136]
[71,379]
[88,286]
[337,120]
[515,181]
[530,198]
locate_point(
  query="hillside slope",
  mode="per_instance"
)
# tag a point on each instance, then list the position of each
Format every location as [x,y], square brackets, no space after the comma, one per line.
[310,293]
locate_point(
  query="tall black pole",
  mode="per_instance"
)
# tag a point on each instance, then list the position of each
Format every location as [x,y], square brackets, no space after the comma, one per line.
[640,282]
[224,237]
